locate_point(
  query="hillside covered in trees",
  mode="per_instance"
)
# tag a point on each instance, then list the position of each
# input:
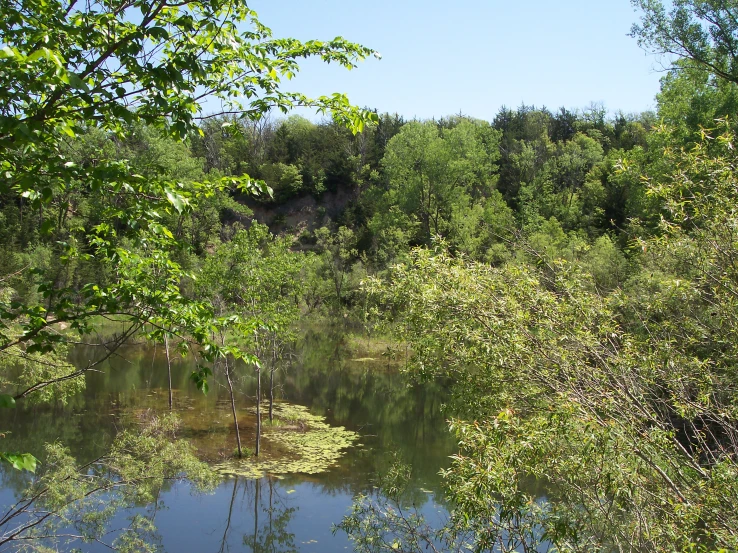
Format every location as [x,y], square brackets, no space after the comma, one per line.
[367,199]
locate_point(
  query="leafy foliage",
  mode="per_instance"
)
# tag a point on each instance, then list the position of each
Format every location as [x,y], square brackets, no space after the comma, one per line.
[701,31]
[622,405]
[434,177]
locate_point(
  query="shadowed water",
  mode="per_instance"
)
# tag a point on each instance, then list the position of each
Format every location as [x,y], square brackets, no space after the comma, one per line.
[285,513]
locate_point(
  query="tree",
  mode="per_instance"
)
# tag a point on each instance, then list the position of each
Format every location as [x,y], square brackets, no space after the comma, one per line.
[439,180]
[321,152]
[704,32]
[255,278]
[556,190]
[337,252]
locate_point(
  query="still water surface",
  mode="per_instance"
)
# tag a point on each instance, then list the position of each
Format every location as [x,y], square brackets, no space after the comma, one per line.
[290,513]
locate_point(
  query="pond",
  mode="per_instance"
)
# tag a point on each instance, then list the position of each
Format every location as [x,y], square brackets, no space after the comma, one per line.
[328,373]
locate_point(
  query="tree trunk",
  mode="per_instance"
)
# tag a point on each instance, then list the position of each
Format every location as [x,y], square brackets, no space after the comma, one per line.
[258,411]
[271,379]
[233,408]
[271,397]
[169,369]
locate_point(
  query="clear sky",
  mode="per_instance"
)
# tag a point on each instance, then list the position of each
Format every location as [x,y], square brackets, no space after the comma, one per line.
[474,56]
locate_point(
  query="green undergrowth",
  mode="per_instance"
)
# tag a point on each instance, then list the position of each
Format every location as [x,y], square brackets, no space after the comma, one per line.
[299,442]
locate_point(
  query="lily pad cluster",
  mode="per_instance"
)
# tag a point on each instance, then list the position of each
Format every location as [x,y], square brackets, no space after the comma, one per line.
[300,443]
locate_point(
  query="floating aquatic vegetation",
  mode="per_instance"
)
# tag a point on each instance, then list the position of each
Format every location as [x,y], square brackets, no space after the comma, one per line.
[302,443]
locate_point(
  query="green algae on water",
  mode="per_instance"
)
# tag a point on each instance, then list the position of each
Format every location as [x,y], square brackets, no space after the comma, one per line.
[300,443]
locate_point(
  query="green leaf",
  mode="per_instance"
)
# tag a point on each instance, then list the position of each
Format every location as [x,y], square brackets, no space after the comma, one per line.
[38,54]
[30,194]
[158,32]
[77,83]
[67,129]
[178,202]
[20,461]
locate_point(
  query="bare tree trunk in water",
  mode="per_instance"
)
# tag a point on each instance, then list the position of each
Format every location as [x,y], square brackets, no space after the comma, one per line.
[271,397]
[233,407]
[169,369]
[271,379]
[258,411]
[233,399]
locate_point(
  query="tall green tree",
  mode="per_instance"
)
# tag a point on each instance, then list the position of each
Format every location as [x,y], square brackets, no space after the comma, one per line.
[440,180]
[559,188]
[337,255]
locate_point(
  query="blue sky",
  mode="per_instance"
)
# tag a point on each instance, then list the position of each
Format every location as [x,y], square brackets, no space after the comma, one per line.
[473,56]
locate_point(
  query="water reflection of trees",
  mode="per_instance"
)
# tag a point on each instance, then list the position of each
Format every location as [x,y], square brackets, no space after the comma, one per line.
[392,416]
[271,517]
[271,535]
